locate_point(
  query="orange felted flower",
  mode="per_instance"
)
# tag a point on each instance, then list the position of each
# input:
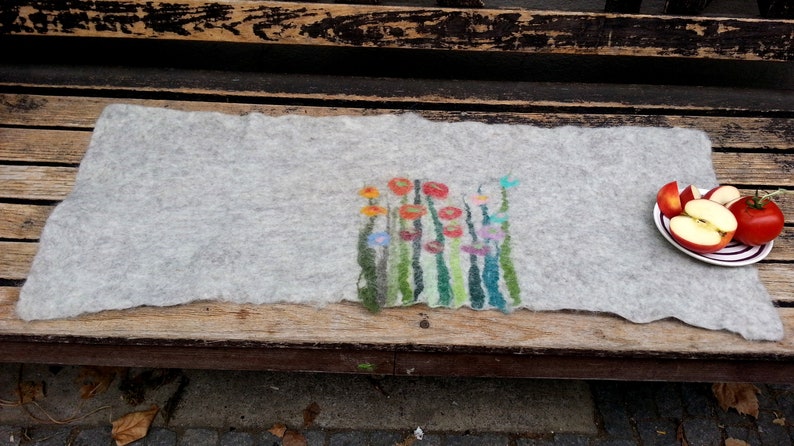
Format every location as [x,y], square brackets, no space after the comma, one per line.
[373,211]
[412,211]
[369,192]
[400,186]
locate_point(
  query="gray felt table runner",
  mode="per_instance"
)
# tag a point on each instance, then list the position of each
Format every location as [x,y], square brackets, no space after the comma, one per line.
[171,207]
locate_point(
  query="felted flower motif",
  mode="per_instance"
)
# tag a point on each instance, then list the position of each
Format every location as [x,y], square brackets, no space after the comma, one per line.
[410,234]
[400,186]
[412,211]
[369,192]
[499,217]
[479,200]
[378,239]
[492,232]
[449,213]
[434,247]
[507,182]
[453,230]
[435,190]
[373,210]
[476,249]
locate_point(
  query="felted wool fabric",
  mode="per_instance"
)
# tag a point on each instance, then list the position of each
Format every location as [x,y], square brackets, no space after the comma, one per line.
[171,207]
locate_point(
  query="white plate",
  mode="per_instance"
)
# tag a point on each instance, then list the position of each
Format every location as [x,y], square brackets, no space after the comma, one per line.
[735,254]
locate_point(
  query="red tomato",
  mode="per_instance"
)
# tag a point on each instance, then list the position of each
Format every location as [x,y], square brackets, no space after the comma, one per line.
[759,220]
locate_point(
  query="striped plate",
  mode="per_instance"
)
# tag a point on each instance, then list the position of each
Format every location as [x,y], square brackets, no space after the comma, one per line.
[735,254]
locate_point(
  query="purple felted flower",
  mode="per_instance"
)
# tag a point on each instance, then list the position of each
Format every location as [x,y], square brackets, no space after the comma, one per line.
[492,232]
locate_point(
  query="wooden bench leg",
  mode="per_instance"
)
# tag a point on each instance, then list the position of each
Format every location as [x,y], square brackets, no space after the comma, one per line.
[623,6]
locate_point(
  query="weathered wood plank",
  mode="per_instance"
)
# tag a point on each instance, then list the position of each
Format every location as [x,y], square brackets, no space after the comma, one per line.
[242,87]
[408,328]
[593,367]
[778,279]
[15,259]
[36,182]
[403,27]
[755,168]
[724,132]
[22,221]
[43,145]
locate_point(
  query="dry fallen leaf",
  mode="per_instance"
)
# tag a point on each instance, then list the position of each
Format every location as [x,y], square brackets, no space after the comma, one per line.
[735,442]
[278,430]
[780,421]
[310,414]
[133,426]
[95,380]
[740,396]
[29,391]
[293,438]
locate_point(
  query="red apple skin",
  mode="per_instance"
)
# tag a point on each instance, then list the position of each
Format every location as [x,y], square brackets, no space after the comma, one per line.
[688,194]
[703,249]
[669,200]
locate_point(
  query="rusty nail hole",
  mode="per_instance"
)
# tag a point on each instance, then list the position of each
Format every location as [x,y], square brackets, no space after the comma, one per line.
[424,324]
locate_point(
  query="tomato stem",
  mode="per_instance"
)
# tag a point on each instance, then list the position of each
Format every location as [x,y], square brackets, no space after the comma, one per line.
[758,202]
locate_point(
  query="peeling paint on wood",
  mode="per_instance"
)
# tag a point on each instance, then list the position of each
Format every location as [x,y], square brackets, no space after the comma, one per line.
[402,27]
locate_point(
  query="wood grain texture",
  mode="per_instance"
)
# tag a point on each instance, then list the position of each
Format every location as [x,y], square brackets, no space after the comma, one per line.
[22,221]
[36,182]
[404,27]
[80,113]
[43,146]
[346,325]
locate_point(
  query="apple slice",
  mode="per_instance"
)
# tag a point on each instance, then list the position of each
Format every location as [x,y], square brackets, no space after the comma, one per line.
[669,200]
[723,194]
[688,194]
[705,226]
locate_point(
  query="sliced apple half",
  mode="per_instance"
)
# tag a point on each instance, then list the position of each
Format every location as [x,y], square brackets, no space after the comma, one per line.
[669,200]
[723,194]
[705,226]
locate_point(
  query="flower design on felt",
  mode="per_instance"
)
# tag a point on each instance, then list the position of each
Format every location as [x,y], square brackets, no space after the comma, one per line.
[421,242]
[369,192]
[378,239]
[449,213]
[412,211]
[374,210]
[401,186]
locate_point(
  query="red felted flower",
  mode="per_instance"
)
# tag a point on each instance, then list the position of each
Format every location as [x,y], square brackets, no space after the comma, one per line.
[449,213]
[435,190]
[453,230]
[434,247]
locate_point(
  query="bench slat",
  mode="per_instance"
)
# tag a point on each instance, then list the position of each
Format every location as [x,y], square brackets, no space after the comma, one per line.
[404,27]
[22,221]
[350,324]
[36,182]
[258,87]
[82,112]
[43,145]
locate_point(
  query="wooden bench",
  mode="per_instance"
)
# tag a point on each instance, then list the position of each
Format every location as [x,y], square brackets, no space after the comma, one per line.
[730,76]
